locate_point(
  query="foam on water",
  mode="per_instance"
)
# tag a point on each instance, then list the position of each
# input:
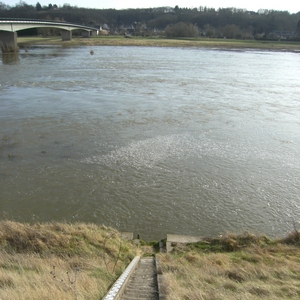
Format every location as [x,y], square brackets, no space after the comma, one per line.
[149,152]
[146,153]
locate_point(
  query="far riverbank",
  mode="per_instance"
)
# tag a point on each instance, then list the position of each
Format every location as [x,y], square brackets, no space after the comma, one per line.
[162,42]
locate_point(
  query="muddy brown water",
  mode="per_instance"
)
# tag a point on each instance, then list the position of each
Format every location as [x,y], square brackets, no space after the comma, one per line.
[152,140]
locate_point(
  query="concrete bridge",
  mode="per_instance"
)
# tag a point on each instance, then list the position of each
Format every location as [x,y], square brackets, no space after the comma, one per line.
[9,28]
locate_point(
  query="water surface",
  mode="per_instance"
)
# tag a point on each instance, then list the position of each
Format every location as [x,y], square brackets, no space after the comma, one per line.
[152,140]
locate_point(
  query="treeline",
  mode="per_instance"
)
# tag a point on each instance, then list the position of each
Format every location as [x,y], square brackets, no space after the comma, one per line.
[168,21]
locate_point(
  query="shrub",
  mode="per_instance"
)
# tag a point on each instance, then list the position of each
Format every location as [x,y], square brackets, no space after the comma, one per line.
[182,29]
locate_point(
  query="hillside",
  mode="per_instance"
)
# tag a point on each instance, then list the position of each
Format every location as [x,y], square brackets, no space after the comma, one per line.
[59,260]
[234,267]
[166,21]
[81,261]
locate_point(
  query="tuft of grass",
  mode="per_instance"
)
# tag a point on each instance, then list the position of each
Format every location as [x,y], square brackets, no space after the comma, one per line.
[6,281]
[292,239]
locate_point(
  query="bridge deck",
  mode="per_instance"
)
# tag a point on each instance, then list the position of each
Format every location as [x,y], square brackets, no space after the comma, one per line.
[13,25]
[9,27]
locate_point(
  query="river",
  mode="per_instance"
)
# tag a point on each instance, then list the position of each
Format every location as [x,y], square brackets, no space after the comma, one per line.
[152,140]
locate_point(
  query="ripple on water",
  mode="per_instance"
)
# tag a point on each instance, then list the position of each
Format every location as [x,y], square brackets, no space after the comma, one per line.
[223,152]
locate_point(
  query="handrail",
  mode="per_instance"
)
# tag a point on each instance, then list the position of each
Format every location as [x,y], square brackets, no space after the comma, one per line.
[117,289]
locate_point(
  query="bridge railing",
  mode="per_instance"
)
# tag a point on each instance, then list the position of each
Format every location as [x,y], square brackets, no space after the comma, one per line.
[43,21]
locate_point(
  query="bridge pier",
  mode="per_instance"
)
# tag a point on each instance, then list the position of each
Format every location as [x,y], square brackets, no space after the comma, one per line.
[66,35]
[85,34]
[9,58]
[8,41]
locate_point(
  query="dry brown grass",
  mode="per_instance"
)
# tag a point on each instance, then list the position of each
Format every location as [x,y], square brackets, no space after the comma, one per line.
[235,267]
[60,261]
[81,261]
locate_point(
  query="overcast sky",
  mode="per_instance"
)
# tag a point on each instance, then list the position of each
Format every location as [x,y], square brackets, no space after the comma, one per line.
[293,6]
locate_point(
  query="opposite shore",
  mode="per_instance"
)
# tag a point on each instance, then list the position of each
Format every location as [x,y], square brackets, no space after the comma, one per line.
[24,42]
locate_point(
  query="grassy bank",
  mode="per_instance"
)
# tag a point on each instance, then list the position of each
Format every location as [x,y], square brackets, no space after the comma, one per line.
[234,267]
[162,42]
[60,261]
[81,261]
